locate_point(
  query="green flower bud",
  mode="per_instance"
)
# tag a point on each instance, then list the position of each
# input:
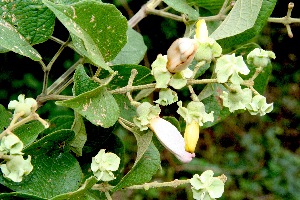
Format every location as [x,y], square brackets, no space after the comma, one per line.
[16,168]
[166,97]
[260,57]
[103,164]
[179,80]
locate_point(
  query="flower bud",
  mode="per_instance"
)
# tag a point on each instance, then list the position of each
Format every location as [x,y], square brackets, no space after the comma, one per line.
[191,136]
[171,138]
[180,54]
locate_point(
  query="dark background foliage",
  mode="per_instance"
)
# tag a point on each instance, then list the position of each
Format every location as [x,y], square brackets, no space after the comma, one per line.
[259,155]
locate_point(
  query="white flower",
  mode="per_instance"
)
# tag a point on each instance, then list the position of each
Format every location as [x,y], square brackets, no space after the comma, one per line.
[27,105]
[11,144]
[230,66]
[103,164]
[171,138]
[238,99]
[259,105]
[16,168]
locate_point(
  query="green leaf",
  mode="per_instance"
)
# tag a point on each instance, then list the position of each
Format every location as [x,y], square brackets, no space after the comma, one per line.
[146,164]
[28,133]
[98,106]
[32,19]
[245,21]
[59,123]
[127,111]
[213,102]
[11,39]
[5,118]
[213,6]
[53,174]
[100,26]
[49,142]
[80,135]
[124,71]
[17,196]
[82,82]
[81,193]
[183,7]
[134,50]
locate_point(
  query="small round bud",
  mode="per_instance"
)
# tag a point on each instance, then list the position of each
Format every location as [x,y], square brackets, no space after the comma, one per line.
[180,54]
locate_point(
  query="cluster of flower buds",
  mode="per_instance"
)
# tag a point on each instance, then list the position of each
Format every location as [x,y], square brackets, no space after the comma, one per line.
[173,70]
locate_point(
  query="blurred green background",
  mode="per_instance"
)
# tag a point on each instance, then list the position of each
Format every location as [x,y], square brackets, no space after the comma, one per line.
[259,155]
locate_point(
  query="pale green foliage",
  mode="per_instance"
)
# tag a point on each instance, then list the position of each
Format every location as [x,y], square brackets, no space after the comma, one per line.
[103,164]
[206,187]
[16,167]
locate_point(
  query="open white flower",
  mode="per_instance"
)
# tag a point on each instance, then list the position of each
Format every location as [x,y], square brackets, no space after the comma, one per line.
[171,138]
[27,105]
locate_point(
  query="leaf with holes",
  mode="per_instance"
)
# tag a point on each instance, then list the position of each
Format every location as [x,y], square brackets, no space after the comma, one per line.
[100,26]
[12,40]
[98,106]
[32,19]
